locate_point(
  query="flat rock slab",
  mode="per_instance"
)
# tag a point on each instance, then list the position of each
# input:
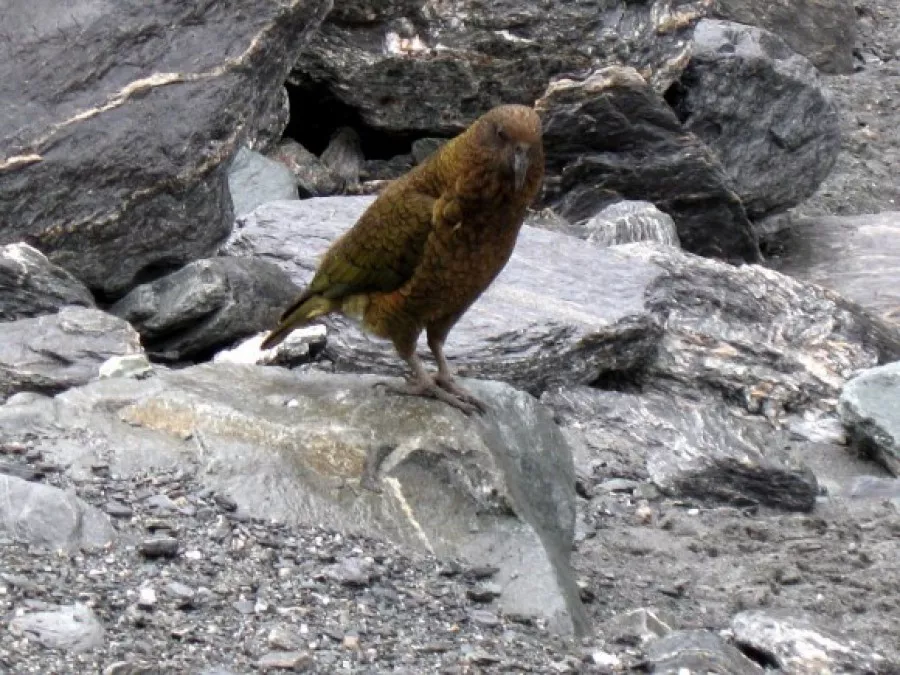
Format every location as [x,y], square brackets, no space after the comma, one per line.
[121,170]
[43,515]
[857,256]
[696,450]
[51,353]
[795,644]
[560,313]
[332,450]
[30,285]
[870,408]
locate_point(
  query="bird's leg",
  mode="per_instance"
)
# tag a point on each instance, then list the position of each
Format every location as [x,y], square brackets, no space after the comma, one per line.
[421,383]
[444,378]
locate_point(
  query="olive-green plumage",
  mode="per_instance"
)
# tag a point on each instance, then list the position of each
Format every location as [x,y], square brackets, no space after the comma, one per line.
[430,244]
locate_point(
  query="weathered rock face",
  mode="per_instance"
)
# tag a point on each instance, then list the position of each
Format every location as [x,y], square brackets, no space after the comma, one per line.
[539,324]
[53,352]
[254,179]
[312,177]
[457,59]
[42,515]
[498,490]
[30,285]
[696,450]
[626,222]
[205,305]
[763,111]
[613,137]
[149,103]
[870,408]
[857,256]
[821,30]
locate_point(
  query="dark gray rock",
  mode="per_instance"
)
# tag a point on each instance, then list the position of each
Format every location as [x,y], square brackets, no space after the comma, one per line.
[626,222]
[330,450]
[344,157]
[30,285]
[45,516]
[762,340]
[51,353]
[71,628]
[254,179]
[206,305]
[271,123]
[696,450]
[454,61]
[823,31]
[423,148]
[857,256]
[697,651]
[792,642]
[614,138]
[149,103]
[386,169]
[312,177]
[561,312]
[870,408]
[763,111]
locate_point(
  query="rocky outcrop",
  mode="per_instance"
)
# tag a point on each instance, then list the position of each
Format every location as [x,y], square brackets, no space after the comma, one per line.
[149,104]
[206,305]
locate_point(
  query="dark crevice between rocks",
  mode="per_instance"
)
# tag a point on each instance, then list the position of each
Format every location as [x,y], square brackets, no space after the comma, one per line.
[764,659]
[316,113]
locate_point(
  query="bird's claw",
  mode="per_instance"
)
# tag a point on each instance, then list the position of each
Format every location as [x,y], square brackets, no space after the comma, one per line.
[467,403]
[450,386]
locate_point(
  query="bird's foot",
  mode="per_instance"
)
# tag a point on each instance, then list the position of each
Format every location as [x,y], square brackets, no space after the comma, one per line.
[449,385]
[430,389]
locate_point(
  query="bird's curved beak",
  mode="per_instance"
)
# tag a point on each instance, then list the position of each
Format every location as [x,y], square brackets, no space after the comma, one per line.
[521,163]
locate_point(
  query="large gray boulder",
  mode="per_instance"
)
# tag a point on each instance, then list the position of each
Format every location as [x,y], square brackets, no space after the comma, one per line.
[562,312]
[127,114]
[335,451]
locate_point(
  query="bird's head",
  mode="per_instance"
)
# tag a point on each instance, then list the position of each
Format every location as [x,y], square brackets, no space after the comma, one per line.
[512,135]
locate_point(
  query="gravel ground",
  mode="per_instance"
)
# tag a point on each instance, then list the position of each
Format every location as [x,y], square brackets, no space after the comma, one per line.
[194,587]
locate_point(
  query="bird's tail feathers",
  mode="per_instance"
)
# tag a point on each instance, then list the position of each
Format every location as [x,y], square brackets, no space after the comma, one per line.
[303,311]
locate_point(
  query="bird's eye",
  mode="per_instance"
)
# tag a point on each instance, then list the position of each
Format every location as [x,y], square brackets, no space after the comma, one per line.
[501,134]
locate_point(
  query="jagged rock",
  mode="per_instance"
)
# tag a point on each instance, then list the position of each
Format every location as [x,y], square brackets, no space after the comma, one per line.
[205,305]
[254,180]
[626,222]
[271,124]
[30,285]
[153,100]
[71,628]
[456,60]
[51,353]
[698,450]
[561,312]
[763,111]
[857,256]
[760,339]
[696,651]
[343,156]
[312,177]
[793,643]
[613,137]
[823,31]
[43,515]
[870,408]
[498,490]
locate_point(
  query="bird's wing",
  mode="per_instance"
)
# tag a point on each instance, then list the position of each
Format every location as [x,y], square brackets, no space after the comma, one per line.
[382,250]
